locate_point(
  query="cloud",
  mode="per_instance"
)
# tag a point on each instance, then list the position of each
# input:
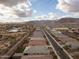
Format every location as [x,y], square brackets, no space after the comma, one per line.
[49,16]
[10,2]
[15,8]
[14,20]
[34,11]
[68,6]
[53,16]
[22,10]
[41,17]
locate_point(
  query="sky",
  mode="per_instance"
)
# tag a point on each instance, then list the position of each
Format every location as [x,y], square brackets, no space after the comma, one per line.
[53,9]
[27,10]
[44,6]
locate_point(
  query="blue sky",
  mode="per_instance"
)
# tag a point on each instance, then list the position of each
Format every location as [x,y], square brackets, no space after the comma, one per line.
[44,7]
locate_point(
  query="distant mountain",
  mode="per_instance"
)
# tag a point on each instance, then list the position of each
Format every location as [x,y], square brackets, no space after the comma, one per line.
[68,20]
[42,22]
[63,22]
